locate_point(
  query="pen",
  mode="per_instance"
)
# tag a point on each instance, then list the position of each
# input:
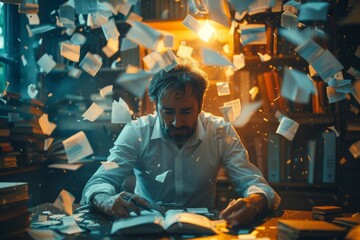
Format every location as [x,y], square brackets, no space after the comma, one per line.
[139,205]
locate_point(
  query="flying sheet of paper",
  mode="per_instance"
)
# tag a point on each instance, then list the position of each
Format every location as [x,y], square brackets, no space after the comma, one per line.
[287,128]
[78,39]
[43,234]
[64,202]
[326,65]
[228,113]
[293,36]
[313,11]
[239,61]
[32,91]
[166,41]
[100,18]
[77,147]
[264,57]
[93,112]
[70,167]
[144,35]
[33,19]
[246,113]
[124,8]
[156,61]
[110,30]
[85,7]
[135,83]
[46,63]
[334,96]
[67,16]
[134,17]
[109,165]
[184,51]
[289,20]
[210,57]
[297,86]
[70,51]
[236,106]
[223,88]
[355,149]
[91,64]
[106,90]
[192,23]
[219,12]
[47,143]
[111,47]
[309,50]
[161,177]
[46,126]
[120,112]
[127,44]
[354,72]
[42,29]
[70,226]
[253,33]
[343,86]
[260,6]
[74,72]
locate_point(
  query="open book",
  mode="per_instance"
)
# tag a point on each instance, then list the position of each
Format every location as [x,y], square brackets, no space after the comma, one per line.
[172,222]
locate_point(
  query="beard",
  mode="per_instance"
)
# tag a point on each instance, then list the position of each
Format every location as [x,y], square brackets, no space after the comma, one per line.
[178,135]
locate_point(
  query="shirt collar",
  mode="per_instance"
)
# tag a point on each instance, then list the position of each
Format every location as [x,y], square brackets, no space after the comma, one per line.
[199,131]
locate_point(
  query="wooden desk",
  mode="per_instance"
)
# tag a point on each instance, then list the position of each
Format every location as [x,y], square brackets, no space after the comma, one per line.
[265,225]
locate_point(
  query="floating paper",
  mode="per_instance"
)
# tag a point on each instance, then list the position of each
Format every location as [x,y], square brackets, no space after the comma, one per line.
[134,17]
[236,106]
[144,35]
[33,19]
[219,12]
[106,90]
[192,23]
[109,165]
[228,113]
[91,64]
[287,128]
[85,7]
[32,91]
[253,33]
[67,16]
[47,143]
[78,39]
[65,202]
[135,83]
[23,60]
[353,72]
[223,88]
[210,57]
[100,18]
[355,149]
[184,51]
[46,63]
[264,57]
[93,112]
[70,51]
[247,111]
[111,47]
[239,61]
[65,166]
[326,65]
[313,11]
[156,61]
[334,96]
[42,29]
[46,126]
[297,86]
[110,30]
[127,44]
[120,112]
[74,72]
[161,177]
[289,20]
[77,147]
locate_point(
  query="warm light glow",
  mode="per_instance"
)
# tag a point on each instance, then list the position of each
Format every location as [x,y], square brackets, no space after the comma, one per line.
[206,31]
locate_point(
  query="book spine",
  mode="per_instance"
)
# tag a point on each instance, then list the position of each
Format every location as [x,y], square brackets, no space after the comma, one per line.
[329,157]
[273,156]
[311,150]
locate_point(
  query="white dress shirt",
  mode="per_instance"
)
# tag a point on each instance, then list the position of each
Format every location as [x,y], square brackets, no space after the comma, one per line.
[184,177]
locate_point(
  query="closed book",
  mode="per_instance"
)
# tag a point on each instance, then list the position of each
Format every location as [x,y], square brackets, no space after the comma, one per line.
[311,153]
[329,157]
[348,221]
[309,229]
[12,210]
[154,223]
[273,157]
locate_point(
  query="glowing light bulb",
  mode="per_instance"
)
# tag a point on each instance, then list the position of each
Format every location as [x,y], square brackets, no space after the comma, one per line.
[206,31]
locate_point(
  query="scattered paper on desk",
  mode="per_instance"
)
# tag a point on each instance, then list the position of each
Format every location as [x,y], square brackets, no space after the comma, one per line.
[110,30]
[239,61]
[136,83]
[253,33]
[71,167]
[198,210]
[78,39]
[192,23]
[210,57]
[109,165]
[355,149]
[120,112]
[32,91]
[46,126]
[67,16]
[142,34]
[247,111]
[127,44]
[264,57]
[313,11]
[70,226]
[64,202]
[33,19]
[297,86]
[161,177]
[47,143]
[287,128]
[43,234]
[85,7]
[93,112]
[223,88]
[91,63]
[106,90]
[184,51]
[77,147]
[70,51]
[74,72]
[46,63]
[111,47]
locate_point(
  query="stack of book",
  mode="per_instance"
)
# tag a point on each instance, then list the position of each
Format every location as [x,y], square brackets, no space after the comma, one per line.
[21,138]
[14,215]
[326,212]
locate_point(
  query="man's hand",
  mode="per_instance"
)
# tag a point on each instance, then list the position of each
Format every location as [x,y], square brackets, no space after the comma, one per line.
[242,211]
[119,205]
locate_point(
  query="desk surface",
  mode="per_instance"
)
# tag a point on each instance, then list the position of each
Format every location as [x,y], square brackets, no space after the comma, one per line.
[265,225]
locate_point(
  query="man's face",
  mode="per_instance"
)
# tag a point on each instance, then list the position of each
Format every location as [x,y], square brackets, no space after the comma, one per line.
[178,115]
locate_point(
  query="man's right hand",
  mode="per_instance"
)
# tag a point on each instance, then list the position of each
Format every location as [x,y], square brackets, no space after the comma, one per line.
[119,205]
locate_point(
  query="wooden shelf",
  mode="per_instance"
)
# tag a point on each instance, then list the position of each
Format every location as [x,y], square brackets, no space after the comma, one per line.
[17,170]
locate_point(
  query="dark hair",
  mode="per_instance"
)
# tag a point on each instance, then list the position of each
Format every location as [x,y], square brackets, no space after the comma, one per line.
[186,73]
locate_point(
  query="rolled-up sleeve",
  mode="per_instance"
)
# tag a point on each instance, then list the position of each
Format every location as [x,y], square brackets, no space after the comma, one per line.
[246,177]
[125,154]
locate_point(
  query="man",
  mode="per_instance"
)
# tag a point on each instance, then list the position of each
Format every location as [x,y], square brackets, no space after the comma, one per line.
[175,155]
